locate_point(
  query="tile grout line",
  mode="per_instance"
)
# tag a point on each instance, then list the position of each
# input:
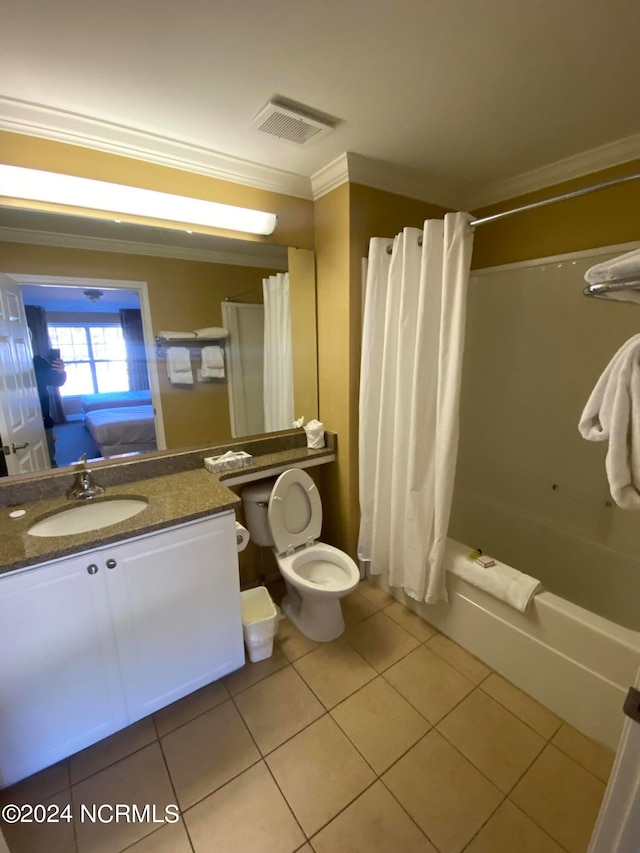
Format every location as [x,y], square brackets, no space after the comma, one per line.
[191,719]
[387,788]
[513,713]
[504,796]
[575,761]
[263,759]
[343,809]
[532,819]
[327,713]
[173,787]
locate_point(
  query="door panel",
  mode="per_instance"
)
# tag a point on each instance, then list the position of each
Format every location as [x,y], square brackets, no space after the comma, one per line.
[20,412]
[59,674]
[176,607]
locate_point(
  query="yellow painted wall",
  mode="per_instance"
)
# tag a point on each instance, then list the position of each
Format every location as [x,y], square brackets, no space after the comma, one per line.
[599,219]
[334,325]
[183,295]
[295,215]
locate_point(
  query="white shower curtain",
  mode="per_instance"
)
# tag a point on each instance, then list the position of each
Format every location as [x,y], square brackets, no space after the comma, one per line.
[413,340]
[278,364]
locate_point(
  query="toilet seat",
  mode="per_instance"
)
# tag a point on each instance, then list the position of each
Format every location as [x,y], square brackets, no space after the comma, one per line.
[295,511]
[317,575]
[320,570]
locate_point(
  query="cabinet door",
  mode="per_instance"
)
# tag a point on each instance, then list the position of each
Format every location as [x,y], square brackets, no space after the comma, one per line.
[175,599]
[59,671]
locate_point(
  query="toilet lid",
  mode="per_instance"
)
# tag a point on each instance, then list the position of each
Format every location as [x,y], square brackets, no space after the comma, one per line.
[295,510]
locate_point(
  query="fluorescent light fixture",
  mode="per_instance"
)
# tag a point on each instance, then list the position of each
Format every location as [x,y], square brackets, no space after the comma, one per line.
[34,185]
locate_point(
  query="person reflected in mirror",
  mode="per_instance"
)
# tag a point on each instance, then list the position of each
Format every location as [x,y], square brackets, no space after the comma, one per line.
[50,373]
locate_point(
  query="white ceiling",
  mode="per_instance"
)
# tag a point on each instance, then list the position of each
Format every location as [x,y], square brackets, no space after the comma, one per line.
[471,98]
[65,299]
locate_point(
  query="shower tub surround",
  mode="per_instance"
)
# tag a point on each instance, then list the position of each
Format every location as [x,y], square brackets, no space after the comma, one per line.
[571,660]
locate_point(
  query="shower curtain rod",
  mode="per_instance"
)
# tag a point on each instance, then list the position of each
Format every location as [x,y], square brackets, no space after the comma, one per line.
[535,204]
[244,293]
[564,197]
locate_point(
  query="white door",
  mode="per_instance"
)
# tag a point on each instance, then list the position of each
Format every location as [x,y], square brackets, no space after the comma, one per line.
[60,684]
[245,366]
[21,427]
[617,829]
[175,600]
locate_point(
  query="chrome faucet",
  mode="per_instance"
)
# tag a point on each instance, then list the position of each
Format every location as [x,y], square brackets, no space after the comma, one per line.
[84,486]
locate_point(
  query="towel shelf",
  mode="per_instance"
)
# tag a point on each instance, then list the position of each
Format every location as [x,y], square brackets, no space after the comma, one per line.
[163,344]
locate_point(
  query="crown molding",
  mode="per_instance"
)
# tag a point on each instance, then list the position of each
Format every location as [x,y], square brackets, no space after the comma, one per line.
[107,244]
[407,182]
[330,177]
[358,169]
[62,126]
[586,163]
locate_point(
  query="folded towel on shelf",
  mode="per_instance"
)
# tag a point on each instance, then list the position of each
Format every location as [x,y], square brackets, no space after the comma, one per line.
[622,268]
[612,414]
[176,336]
[179,366]
[212,363]
[212,332]
[502,581]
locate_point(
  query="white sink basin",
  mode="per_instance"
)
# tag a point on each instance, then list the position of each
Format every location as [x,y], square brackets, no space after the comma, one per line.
[89,516]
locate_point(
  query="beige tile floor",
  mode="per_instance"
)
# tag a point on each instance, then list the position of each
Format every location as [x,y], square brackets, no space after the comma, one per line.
[390,738]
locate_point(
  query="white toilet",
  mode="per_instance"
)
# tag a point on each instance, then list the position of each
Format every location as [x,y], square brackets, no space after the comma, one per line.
[287,514]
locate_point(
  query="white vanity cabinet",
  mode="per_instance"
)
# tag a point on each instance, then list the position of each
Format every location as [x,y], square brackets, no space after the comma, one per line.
[175,605]
[60,686]
[92,643]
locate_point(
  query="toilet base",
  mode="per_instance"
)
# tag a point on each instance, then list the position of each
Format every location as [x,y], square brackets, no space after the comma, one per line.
[319,619]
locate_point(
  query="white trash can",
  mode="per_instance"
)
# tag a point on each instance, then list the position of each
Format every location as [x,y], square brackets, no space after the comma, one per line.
[260,619]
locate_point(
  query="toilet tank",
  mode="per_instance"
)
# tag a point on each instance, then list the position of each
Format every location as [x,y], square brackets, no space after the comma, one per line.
[255,501]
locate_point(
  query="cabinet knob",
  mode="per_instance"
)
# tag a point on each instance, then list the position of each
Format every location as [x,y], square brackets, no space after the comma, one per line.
[92,568]
[111,564]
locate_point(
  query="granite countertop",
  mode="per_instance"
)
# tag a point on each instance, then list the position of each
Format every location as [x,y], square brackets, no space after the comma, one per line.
[174,498]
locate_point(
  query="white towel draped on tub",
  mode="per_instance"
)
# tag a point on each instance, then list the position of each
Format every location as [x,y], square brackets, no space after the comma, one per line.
[179,366]
[622,268]
[612,414]
[502,581]
[212,363]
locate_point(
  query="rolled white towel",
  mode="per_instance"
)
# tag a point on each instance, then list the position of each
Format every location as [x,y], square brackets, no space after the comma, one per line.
[179,366]
[502,581]
[212,332]
[624,266]
[176,336]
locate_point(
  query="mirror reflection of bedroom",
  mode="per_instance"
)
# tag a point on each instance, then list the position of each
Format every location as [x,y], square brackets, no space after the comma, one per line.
[91,370]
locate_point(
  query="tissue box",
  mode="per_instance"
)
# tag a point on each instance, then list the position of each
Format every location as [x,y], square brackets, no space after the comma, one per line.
[226,462]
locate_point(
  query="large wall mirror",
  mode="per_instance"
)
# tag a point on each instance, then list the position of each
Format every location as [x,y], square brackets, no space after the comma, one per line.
[120,303]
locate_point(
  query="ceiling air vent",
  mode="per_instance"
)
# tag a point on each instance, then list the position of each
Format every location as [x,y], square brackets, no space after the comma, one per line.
[290,124]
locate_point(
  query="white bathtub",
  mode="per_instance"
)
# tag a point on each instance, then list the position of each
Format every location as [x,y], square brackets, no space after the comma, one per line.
[574,662]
